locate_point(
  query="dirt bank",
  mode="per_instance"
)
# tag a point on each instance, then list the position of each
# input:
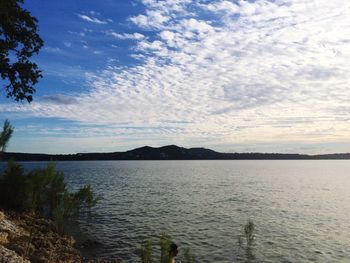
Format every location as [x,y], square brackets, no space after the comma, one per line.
[25,239]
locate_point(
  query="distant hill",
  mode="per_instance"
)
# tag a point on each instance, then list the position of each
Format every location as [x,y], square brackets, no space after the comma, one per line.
[170,152]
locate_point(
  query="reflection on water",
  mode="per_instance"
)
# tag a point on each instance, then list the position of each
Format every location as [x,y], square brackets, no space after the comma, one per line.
[300,209]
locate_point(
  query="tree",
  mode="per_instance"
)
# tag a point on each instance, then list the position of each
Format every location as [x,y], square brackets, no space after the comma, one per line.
[19,40]
[5,135]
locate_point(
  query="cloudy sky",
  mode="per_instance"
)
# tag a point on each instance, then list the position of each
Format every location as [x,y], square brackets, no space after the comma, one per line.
[231,75]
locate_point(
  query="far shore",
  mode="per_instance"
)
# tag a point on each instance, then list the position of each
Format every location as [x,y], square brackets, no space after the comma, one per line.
[170,152]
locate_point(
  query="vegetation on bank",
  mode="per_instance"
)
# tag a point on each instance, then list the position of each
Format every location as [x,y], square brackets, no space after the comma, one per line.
[146,251]
[41,192]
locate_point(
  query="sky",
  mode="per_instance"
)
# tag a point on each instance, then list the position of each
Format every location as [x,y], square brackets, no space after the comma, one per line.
[230,75]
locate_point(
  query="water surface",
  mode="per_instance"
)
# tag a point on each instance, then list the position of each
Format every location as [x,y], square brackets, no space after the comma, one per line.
[301,209]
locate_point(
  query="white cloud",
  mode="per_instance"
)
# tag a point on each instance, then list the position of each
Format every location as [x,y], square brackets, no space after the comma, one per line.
[262,72]
[155,45]
[223,6]
[133,36]
[67,44]
[93,19]
[53,49]
[152,19]
[159,14]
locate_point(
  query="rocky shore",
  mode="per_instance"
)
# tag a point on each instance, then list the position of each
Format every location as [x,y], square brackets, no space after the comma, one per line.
[26,239]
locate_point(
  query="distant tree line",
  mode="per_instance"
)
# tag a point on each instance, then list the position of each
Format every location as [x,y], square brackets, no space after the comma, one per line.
[171,152]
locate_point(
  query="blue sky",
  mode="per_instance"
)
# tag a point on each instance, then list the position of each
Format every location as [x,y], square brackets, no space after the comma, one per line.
[268,76]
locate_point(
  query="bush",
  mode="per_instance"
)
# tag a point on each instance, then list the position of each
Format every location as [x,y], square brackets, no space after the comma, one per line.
[13,188]
[188,256]
[249,234]
[44,193]
[146,252]
[249,230]
[165,241]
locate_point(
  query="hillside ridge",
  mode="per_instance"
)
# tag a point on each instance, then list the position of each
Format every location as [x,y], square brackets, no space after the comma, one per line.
[169,152]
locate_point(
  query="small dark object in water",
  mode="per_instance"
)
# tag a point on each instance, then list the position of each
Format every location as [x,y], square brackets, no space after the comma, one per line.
[173,253]
[90,243]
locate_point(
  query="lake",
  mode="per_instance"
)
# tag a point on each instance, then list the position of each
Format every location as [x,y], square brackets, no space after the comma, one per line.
[301,209]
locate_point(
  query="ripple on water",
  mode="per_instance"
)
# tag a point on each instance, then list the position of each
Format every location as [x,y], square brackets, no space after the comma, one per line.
[300,209]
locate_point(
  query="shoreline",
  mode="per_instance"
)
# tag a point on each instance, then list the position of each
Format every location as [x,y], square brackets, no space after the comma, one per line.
[27,239]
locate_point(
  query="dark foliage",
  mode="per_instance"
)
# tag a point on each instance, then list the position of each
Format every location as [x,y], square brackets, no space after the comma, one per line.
[13,194]
[165,247]
[44,193]
[164,243]
[248,241]
[19,41]
[5,135]
[146,252]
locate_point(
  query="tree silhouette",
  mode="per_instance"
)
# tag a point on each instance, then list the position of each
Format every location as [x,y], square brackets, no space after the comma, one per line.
[5,135]
[18,42]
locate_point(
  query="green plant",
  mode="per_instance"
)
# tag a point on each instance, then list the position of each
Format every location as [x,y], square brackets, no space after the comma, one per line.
[72,205]
[249,232]
[188,256]
[146,252]
[44,193]
[44,188]
[5,135]
[164,243]
[13,192]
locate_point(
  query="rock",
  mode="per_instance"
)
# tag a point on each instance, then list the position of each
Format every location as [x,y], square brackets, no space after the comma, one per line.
[10,227]
[3,238]
[23,237]
[39,258]
[2,215]
[35,243]
[21,245]
[9,256]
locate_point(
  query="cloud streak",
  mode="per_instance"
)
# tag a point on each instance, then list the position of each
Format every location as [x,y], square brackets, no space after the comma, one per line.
[92,19]
[123,36]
